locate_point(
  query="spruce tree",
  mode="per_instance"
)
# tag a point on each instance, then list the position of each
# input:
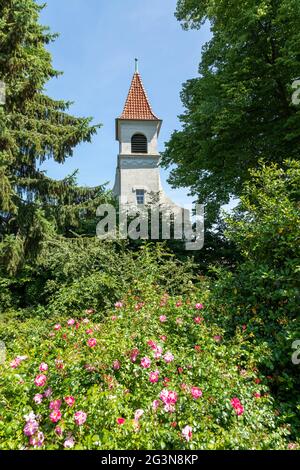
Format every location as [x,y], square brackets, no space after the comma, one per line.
[34,128]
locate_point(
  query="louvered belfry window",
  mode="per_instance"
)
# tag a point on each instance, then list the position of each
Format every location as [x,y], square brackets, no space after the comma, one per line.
[139,144]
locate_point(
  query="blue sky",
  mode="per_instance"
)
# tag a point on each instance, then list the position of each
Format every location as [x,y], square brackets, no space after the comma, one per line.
[98,42]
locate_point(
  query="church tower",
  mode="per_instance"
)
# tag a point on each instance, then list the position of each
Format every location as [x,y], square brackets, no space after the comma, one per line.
[137,130]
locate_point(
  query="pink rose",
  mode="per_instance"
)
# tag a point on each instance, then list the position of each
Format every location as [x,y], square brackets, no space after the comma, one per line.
[155,404]
[134,354]
[199,307]
[38,398]
[145,362]
[118,304]
[168,357]
[40,380]
[163,318]
[71,322]
[116,365]
[187,433]
[90,311]
[196,392]
[31,427]
[37,440]
[55,416]
[238,407]
[69,443]
[138,414]
[80,418]
[69,400]
[120,421]
[58,430]
[57,327]
[43,367]
[92,342]
[55,405]
[15,363]
[153,377]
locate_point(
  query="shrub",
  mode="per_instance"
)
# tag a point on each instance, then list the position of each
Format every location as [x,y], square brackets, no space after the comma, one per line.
[152,374]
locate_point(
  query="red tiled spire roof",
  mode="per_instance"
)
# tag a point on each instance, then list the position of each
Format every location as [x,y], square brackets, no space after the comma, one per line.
[137,105]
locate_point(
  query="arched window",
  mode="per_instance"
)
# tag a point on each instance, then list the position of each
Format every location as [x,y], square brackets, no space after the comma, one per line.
[139,144]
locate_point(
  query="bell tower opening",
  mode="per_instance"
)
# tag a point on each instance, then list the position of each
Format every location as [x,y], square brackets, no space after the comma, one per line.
[139,144]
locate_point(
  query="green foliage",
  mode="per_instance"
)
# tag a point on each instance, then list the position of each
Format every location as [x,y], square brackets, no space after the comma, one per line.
[263,292]
[106,390]
[33,128]
[240,108]
[71,273]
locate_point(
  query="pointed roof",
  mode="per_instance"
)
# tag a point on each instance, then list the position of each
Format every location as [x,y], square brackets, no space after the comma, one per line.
[137,105]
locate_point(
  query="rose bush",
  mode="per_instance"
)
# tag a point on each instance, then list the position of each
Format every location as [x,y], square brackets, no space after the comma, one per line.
[123,379]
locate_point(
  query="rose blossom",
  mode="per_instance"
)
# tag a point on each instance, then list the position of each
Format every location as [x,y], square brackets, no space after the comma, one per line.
[153,376]
[92,342]
[152,344]
[120,421]
[169,398]
[55,416]
[196,392]
[48,392]
[57,327]
[238,407]
[37,440]
[40,380]
[198,320]
[89,331]
[59,363]
[116,365]
[15,363]
[163,338]
[155,404]
[187,433]
[43,367]
[80,418]
[138,414]
[199,307]
[134,354]
[158,352]
[69,443]
[168,357]
[145,362]
[118,304]
[70,400]
[55,405]
[163,318]
[90,311]
[30,427]
[58,430]
[38,398]
[71,322]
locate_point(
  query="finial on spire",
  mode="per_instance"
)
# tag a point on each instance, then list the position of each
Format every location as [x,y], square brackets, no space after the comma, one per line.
[136,65]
